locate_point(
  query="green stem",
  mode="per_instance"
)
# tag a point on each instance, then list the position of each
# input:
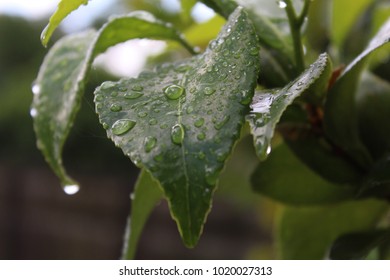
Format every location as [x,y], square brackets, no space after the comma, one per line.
[296,23]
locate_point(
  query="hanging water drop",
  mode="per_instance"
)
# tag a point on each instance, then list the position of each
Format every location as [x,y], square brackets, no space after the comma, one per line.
[107,85]
[149,143]
[122,126]
[36,89]
[71,189]
[173,92]
[177,134]
[33,112]
[282,4]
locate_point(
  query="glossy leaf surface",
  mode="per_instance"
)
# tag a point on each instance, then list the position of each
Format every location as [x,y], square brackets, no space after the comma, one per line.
[65,7]
[308,232]
[60,83]
[181,121]
[147,193]
[268,107]
[340,118]
[355,246]
[285,178]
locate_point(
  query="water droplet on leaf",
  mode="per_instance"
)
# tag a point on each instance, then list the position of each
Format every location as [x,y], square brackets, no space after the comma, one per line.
[133,95]
[116,108]
[137,88]
[33,112]
[281,4]
[199,122]
[177,134]
[173,92]
[122,126]
[209,91]
[150,143]
[36,89]
[201,136]
[153,121]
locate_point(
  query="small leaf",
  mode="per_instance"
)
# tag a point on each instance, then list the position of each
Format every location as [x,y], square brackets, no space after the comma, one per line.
[307,233]
[357,245]
[187,117]
[147,194]
[60,83]
[65,7]
[340,115]
[284,178]
[268,107]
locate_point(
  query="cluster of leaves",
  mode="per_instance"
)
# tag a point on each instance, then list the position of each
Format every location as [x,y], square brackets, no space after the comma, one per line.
[180,122]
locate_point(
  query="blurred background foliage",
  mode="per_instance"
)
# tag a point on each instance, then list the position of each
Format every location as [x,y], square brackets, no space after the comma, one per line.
[39,221]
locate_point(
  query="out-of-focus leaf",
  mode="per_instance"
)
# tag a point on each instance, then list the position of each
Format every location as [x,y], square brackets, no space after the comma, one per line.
[319,25]
[65,7]
[308,232]
[181,121]
[373,103]
[201,34]
[186,8]
[60,83]
[355,246]
[286,179]
[342,20]
[147,193]
[340,117]
[268,107]
[377,181]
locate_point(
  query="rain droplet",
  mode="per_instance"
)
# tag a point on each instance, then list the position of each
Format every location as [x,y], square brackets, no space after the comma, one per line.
[281,4]
[209,91]
[246,97]
[221,156]
[116,108]
[220,124]
[211,175]
[149,143]
[71,189]
[133,95]
[173,92]
[153,121]
[201,136]
[33,112]
[177,134]
[201,155]
[99,97]
[107,85]
[142,114]
[114,94]
[158,158]
[190,109]
[269,149]
[199,122]
[105,125]
[137,88]
[36,89]
[122,126]
[253,51]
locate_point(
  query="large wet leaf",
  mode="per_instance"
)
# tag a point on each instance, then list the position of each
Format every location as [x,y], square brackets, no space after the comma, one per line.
[65,7]
[147,193]
[268,106]
[181,121]
[357,245]
[63,74]
[308,232]
[285,178]
[340,117]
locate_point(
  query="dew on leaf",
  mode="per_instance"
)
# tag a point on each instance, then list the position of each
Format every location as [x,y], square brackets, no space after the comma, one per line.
[201,155]
[190,109]
[177,134]
[209,91]
[220,124]
[158,158]
[142,114]
[149,143]
[107,85]
[99,97]
[133,95]
[201,136]
[122,126]
[105,125]
[33,112]
[116,108]
[199,122]
[173,92]
[153,121]
[137,88]
[36,89]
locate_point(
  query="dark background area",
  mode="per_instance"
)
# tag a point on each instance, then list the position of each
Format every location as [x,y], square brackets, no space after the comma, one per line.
[39,221]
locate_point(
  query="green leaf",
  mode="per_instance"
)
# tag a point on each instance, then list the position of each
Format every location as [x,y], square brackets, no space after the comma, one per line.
[373,103]
[308,232]
[268,106]
[181,121]
[357,245]
[65,7]
[60,83]
[186,8]
[377,181]
[286,179]
[340,114]
[147,194]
